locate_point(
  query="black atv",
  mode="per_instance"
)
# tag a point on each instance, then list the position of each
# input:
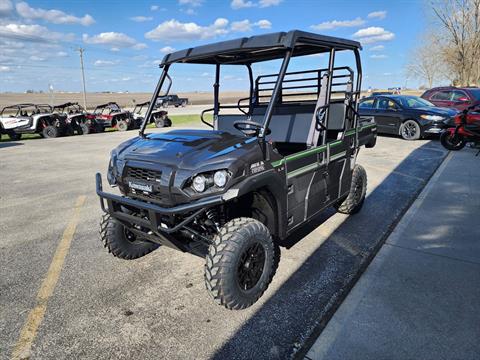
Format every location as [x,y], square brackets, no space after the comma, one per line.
[232,194]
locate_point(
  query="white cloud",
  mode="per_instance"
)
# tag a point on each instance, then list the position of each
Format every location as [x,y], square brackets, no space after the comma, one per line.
[387,74]
[36,58]
[6,7]
[205,74]
[53,16]
[167,49]
[174,30]
[380,56]
[61,54]
[377,48]
[105,62]
[34,33]
[141,18]
[373,34]
[194,3]
[334,24]
[246,25]
[154,7]
[5,68]
[242,4]
[377,15]
[264,24]
[114,39]
[268,3]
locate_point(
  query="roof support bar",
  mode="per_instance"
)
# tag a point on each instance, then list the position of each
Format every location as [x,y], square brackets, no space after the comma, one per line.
[154,100]
[276,90]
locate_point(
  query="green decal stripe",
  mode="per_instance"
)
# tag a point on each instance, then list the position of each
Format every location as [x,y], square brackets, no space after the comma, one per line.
[317,149]
[302,170]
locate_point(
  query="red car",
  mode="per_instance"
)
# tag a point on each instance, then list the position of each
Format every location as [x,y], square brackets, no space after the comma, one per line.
[450,96]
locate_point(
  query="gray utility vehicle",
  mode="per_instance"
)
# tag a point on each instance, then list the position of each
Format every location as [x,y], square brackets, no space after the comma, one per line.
[19,119]
[234,193]
[159,117]
[76,118]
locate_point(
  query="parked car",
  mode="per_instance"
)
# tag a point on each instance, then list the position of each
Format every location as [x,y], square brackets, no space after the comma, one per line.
[159,117]
[231,194]
[76,118]
[169,100]
[111,115]
[19,119]
[409,116]
[458,98]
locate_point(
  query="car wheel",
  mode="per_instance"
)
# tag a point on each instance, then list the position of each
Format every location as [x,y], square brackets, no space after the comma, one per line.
[122,125]
[121,242]
[451,141]
[50,131]
[184,103]
[410,130]
[356,196]
[240,263]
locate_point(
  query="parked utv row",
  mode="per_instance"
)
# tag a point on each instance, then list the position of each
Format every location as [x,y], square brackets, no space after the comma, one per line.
[71,118]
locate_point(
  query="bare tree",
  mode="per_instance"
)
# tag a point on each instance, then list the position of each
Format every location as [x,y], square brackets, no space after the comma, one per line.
[425,62]
[459,34]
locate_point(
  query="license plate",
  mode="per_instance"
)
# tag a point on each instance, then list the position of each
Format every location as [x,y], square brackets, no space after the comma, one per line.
[141,187]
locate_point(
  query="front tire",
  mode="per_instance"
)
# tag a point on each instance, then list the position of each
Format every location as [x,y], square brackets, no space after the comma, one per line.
[240,263]
[50,131]
[121,242]
[451,141]
[122,125]
[410,130]
[356,196]
[159,122]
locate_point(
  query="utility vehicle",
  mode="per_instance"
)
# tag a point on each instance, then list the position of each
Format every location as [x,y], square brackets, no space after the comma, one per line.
[234,193]
[159,117]
[111,115]
[76,118]
[19,119]
[171,100]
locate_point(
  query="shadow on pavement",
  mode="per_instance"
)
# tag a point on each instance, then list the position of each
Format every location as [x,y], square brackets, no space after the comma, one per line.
[7,144]
[292,318]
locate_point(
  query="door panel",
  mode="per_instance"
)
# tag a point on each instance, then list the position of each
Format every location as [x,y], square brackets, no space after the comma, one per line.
[387,116]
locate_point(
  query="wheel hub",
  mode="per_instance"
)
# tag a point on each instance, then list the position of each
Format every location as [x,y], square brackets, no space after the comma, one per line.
[250,267]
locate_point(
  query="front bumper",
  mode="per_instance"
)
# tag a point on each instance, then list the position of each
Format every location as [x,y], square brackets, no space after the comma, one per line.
[122,208]
[435,128]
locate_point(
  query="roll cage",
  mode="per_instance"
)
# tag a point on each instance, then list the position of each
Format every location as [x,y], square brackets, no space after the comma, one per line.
[74,107]
[27,109]
[112,107]
[273,89]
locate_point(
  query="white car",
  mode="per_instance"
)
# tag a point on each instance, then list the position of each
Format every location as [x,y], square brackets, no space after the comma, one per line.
[19,119]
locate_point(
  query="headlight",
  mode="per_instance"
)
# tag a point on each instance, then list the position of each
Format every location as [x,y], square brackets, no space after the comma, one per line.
[199,183]
[220,178]
[432,117]
[112,169]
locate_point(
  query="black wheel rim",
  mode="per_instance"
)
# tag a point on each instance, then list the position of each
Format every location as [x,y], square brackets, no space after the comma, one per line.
[454,140]
[409,130]
[358,191]
[250,266]
[130,236]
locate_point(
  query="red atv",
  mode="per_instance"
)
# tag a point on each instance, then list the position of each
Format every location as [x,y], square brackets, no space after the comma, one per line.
[467,129]
[111,115]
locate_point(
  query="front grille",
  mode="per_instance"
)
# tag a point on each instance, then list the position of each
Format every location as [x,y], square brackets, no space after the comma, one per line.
[148,197]
[143,174]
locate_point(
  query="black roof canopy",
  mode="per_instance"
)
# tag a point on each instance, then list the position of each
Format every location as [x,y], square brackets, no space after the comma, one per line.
[260,48]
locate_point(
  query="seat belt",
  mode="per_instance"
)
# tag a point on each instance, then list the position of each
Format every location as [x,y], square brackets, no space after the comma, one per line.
[314,133]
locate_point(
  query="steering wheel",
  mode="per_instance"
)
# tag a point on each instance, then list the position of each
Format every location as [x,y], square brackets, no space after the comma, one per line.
[248,127]
[320,116]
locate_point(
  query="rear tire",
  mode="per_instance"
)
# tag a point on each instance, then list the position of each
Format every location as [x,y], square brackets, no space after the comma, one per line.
[50,132]
[122,243]
[84,129]
[452,142]
[240,263]
[159,122]
[122,125]
[356,196]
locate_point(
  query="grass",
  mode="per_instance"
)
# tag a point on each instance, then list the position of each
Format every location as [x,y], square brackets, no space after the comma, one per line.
[177,120]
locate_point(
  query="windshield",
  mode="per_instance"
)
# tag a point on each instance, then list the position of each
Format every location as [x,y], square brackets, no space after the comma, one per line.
[413,102]
[475,93]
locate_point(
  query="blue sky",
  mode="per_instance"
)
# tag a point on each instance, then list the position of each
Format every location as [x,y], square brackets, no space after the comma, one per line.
[125,40]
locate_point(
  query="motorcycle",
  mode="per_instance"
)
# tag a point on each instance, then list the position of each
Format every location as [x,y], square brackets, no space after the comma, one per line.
[467,129]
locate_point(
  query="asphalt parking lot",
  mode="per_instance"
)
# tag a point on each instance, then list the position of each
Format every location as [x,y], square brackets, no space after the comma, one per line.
[63,296]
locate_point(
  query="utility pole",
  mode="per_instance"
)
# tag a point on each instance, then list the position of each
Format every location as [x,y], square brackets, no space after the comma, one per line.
[81,50]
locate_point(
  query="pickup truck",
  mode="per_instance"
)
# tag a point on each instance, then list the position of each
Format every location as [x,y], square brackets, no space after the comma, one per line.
[168,100]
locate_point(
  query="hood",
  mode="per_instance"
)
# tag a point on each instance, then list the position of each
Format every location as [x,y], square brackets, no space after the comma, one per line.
[432,110]
[184,148]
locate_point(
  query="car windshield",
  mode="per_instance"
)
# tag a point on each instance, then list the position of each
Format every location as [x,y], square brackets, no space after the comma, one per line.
[475,93]
[413,102]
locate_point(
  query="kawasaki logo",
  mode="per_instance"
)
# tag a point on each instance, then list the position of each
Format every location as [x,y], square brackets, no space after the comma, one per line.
[141,187]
